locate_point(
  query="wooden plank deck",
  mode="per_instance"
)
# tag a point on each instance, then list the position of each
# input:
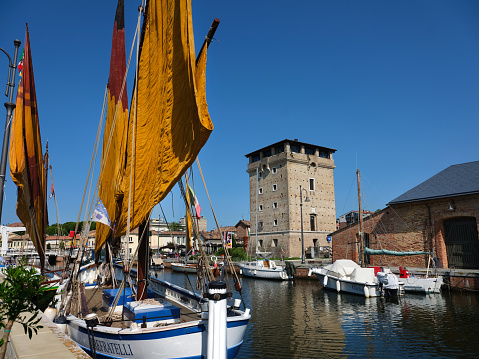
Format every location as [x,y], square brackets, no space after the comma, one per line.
[94,302]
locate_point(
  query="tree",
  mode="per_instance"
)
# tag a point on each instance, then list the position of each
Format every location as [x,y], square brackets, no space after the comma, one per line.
[19,291]
[175,226]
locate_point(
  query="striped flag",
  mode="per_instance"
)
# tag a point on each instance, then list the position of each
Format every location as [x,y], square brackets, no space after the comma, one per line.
[195,202]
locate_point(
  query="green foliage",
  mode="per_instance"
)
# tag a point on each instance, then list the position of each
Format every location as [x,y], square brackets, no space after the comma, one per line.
[66,227]
[175,226]
[237,254]
[19,291]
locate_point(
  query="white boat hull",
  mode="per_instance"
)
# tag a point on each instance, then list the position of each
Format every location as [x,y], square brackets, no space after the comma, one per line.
[180,267]
[422,285]
[182,340]
[263,272]
[344,285]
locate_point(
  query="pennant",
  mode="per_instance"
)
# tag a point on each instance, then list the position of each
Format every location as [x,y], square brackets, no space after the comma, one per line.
[194,201]
[26,159]
[100,214]
[228,240]
[52,193]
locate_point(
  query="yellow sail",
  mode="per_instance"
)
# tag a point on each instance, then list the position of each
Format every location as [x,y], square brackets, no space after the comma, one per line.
[169,122]
[116,126]
[26,159]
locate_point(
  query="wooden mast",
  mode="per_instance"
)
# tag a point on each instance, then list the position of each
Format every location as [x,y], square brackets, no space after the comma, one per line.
[360,234]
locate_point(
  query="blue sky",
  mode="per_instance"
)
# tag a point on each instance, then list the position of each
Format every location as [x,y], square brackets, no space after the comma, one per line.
[393,86]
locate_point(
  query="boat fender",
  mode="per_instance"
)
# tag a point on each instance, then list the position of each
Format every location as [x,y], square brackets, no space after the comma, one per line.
[366,291]
[51,312]
[61,323]
[338,286]
[241,271]
[325,280]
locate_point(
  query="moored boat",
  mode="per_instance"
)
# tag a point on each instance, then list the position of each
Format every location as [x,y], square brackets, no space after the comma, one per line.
[184,267]
[265,269]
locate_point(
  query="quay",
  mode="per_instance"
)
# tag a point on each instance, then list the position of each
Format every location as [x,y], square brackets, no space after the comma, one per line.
[49,343]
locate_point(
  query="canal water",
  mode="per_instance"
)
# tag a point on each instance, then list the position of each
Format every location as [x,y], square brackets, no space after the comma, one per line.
[301,320]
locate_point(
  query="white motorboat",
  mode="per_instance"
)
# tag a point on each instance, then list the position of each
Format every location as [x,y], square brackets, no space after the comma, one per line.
[264,268]
[420,284]
[345,275]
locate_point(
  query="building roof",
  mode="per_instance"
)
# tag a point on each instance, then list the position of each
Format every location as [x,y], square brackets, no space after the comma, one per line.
[295,141]
[246,223]
[456,180]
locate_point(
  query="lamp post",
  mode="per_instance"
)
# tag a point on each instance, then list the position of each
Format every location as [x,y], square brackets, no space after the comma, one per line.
[301,207]
[10,106]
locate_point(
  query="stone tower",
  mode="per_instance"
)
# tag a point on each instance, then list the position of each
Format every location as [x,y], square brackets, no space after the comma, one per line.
[279,175]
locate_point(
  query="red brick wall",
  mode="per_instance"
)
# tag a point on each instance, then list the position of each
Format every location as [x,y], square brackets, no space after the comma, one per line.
[416,226]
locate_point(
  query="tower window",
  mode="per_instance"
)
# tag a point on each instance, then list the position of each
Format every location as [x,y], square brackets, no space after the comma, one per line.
[274,170]
[260,190]
[275,205]
[260,208]
[275,222]
[311,184]
[275,187]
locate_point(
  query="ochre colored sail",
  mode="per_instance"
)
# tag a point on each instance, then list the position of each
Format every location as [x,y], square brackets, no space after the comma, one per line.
[116,125]
[172,122]
[26,159]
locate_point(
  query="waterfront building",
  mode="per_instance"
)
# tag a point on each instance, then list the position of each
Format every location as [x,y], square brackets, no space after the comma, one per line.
[350,218]
[276,173]
[439,216]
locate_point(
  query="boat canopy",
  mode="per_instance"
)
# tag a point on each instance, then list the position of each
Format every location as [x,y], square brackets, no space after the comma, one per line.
[369,251]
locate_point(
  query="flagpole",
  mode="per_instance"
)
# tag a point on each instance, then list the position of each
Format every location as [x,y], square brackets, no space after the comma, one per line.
[10,107]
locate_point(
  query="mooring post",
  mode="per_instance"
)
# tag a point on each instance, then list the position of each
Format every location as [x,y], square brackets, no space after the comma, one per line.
[217,326]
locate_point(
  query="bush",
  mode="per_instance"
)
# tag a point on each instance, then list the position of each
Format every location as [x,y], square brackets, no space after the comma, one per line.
[237,254]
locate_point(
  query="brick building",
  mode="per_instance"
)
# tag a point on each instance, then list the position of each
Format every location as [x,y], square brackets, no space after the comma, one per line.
[439,216]
[281,177]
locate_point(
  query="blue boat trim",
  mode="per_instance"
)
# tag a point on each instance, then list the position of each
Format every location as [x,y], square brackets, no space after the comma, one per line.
[232,352]
[147,336]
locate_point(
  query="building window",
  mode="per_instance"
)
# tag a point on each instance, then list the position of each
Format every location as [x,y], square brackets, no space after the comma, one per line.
[323,154]
[311,184]
[275,187]
[309,150]
[260,243]
[295,148]
[260,207]
[267,153]
[260,174]
[275,205]
[130,240]
[279,148]
[312,222]
[256,157]
[275,222]
[274,170]
[274,243]
[130,250]
[260,190]
[260,224]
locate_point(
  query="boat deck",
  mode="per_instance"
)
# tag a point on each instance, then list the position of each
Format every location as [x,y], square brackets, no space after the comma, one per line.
[93,303]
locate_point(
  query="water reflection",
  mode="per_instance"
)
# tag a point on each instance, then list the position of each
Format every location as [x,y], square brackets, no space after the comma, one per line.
[301,320]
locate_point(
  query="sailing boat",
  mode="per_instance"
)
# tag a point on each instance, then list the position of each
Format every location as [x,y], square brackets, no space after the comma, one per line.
[345,275]
[142,159]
